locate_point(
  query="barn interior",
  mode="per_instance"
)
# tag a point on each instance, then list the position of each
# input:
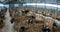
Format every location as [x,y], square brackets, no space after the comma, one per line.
[29,15]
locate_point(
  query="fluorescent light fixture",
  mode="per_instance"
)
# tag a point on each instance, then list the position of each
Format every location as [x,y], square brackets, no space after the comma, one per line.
[7,6]
[42,4]
[1,4]
[16,5]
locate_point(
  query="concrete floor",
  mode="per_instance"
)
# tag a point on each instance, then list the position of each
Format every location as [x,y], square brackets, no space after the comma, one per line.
[8,26]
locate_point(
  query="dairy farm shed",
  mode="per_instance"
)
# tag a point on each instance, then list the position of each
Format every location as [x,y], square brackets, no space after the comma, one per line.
[29,15]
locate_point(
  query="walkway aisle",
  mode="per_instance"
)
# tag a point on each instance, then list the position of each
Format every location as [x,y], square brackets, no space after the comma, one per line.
[8,26]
